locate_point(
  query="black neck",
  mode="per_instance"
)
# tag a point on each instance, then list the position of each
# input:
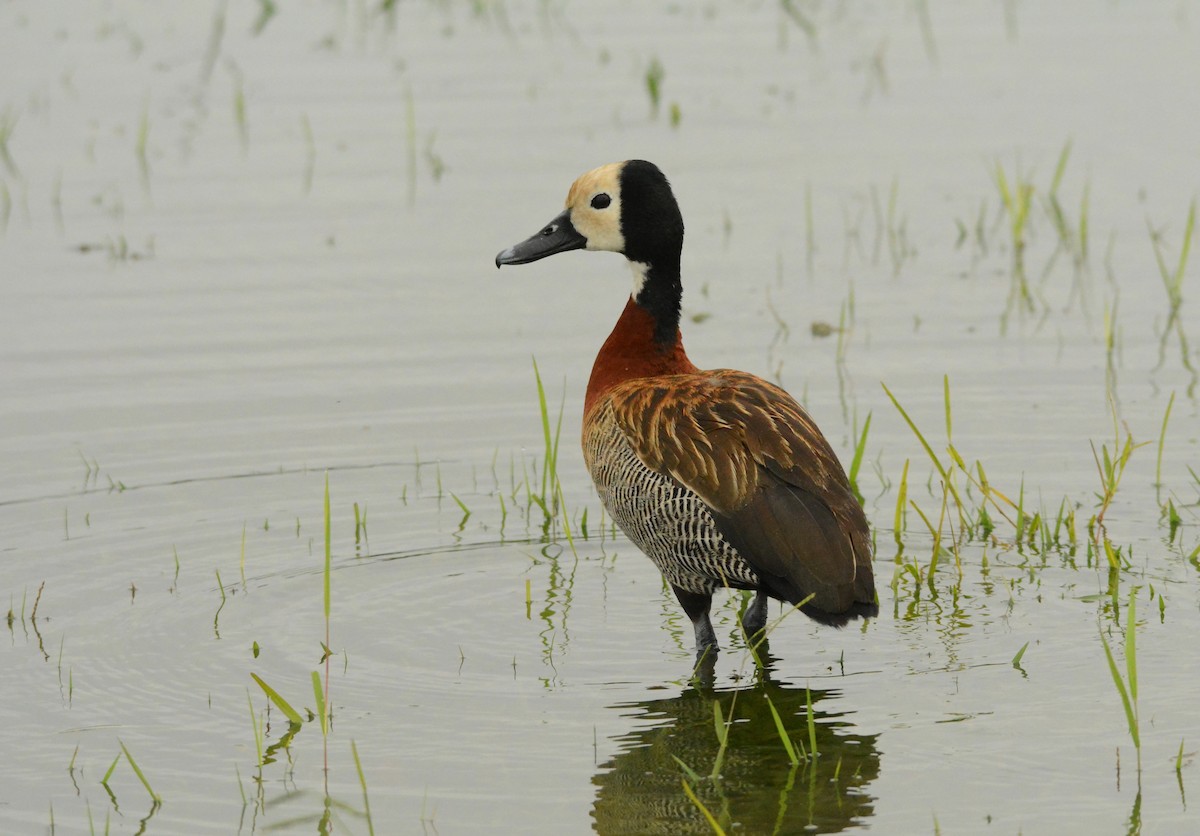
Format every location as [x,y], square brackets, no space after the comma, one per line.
[653,230]
[661,296]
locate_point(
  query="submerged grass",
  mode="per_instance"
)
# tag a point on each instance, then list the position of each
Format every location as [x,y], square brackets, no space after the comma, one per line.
[1172,279]
[722,729]
[1111,467]
[323,713]
[1016,196]
[974,506]
[945,472]
[137,770]
[1162,438]
[361,540]
[971,507]
[8,123]
[1173,283]
[655,73]
[221,606]
[266,11]
[1127,687]
[1072,238]
[704,811]
[139,149]
[239,107]
[362,782]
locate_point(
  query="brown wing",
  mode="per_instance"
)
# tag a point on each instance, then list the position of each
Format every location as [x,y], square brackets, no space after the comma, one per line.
[774,486]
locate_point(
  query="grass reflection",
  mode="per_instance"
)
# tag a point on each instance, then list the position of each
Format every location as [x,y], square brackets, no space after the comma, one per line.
[758,788]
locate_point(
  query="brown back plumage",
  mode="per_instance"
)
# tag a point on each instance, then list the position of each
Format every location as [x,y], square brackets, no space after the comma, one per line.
[775,489]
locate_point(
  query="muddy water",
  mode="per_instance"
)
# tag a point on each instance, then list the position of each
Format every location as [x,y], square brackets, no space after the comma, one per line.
[233,262]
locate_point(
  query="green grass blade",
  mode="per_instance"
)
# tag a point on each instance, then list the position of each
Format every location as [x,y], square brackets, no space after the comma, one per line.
[254,724]
[856,462]
[1083,222]
[1177,278]
[783,735]
[912,426]
[691,773]
[141,775]
[901,504]
[1016,661]
[111,768]
[319,696]
[946,480]
[712,821]
[812,724]
[1161,262]
[1002,185]
[292,714]
[1162,437]
[462,506]
[545,411]
[362,781]
[562,503]
[562,405]
[957,458]
[1116,676]
[946,399]
[723,738]
[1061,168]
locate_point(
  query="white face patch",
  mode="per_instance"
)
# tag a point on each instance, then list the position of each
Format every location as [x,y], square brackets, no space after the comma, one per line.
[595,205]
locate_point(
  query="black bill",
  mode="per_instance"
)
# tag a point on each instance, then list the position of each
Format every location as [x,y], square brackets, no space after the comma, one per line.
[558,236]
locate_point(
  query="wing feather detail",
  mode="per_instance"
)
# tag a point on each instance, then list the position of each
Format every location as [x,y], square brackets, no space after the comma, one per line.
[773,484]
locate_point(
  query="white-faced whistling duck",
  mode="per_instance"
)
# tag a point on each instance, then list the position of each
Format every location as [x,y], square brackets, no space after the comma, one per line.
[720,477]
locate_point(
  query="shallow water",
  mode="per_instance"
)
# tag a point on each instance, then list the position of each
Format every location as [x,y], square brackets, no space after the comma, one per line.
[295,278]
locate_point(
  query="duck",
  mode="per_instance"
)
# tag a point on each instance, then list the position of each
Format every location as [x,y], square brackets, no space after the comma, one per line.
[720,477]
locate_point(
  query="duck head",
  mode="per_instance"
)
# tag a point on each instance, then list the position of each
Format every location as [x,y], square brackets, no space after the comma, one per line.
[624,207]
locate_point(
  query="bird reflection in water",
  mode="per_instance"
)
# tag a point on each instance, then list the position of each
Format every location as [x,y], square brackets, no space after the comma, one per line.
[758,789]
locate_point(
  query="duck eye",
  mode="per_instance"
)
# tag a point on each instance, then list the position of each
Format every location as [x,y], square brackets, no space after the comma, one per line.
[601,201]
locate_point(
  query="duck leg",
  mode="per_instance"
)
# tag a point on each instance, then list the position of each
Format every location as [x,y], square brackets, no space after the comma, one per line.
[696,605]
[754,620]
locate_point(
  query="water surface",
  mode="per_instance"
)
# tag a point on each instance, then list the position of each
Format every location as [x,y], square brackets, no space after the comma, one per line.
[241,254]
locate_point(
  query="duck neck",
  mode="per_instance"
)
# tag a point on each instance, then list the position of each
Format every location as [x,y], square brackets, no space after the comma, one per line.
[646,341]
[659,292]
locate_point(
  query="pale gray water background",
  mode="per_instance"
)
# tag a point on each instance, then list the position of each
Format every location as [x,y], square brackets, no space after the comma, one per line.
[188,346]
